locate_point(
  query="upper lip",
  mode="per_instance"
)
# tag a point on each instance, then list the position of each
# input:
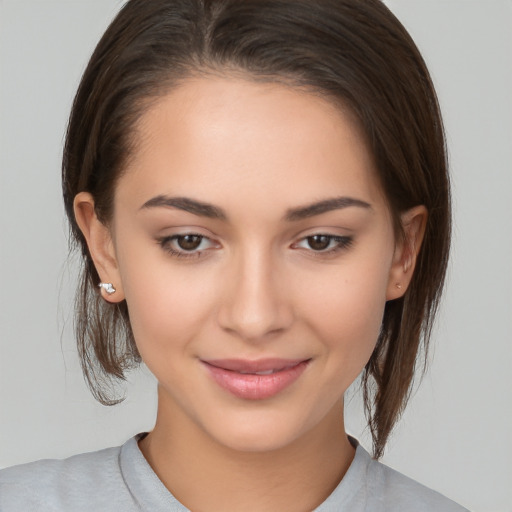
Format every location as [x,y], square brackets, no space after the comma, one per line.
[248,366]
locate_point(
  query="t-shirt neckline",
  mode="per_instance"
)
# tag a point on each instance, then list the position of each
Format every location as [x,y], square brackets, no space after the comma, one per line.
[150,493]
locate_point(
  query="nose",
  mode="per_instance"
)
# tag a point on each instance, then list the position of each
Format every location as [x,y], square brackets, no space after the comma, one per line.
[255,303]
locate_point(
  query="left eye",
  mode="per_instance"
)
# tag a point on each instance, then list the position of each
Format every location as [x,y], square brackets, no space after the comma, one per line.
[325,243]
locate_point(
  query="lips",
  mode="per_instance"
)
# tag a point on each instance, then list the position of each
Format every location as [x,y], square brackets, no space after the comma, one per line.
[255,380]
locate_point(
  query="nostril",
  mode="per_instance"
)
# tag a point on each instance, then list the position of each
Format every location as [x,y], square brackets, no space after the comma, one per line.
[254,306]
[255,321]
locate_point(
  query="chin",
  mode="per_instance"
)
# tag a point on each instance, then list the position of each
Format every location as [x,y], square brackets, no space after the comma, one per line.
[257,442]
[258,433]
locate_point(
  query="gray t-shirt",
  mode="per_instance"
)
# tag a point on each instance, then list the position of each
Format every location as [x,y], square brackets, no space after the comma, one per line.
[120,480]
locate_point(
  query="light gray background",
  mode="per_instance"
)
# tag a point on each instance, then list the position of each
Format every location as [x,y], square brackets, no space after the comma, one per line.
[456,433]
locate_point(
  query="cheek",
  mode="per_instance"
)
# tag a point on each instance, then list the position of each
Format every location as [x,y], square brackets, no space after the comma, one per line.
[167,304]
[345,309]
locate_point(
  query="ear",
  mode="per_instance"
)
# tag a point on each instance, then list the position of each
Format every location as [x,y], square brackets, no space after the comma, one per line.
[100,244]
[414,222]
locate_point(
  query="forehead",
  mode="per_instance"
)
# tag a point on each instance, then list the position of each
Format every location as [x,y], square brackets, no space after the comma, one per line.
[217,138]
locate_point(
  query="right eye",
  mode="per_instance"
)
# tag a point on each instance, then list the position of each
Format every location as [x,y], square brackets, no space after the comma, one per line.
[186,245]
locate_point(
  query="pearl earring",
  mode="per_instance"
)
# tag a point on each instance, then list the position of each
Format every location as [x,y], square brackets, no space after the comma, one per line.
[108,287]
[399,286]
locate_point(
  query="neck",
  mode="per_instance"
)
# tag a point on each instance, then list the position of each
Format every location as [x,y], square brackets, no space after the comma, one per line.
[207,476]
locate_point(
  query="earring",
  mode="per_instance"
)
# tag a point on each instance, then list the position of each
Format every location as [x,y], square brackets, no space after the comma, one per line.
[108,287]
[399,286]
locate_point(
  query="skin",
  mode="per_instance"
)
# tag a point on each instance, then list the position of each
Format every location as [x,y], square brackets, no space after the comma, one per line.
[255,287]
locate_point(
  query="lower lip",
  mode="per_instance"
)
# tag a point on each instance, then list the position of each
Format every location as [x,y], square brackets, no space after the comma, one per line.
[255,387]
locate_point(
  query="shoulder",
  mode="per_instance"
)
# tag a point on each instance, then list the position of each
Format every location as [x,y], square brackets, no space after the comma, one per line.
[397,492]
[370,486]
[89,481]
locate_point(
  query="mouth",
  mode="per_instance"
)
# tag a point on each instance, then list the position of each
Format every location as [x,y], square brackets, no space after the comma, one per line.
[255,380]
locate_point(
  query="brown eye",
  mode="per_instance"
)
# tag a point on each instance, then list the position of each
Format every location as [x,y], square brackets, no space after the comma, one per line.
[319,242]
[187,245]
[189,242]
[324,245]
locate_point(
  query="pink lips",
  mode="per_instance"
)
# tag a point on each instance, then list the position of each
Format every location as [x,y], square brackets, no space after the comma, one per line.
[255,380]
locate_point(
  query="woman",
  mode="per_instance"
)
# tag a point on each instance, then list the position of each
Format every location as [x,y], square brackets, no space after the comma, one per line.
[260,194]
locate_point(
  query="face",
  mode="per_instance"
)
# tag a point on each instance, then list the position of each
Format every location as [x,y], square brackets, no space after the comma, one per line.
[256,253]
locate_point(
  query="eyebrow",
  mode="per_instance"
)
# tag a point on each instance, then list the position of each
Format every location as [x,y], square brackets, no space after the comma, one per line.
[292,215]
[188,205]
[327,205]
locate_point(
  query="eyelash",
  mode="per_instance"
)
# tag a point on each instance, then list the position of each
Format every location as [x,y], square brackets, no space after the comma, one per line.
[165,243]
[342,243]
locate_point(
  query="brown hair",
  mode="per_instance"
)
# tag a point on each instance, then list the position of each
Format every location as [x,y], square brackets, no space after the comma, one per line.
[352,51]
